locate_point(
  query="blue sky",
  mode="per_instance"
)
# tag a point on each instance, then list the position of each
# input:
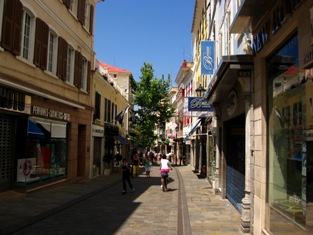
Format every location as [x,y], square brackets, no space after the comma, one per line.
[131,32]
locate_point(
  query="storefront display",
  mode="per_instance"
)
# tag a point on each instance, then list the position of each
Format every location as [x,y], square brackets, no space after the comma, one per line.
[290,92]
[46,151]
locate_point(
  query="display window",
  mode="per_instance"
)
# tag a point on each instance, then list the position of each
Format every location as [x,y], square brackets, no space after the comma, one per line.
[289,141]
[46,151]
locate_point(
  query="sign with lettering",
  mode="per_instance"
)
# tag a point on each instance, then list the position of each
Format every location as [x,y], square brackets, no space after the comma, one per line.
[45,112]
[207,57]
[15,101]
[199,104]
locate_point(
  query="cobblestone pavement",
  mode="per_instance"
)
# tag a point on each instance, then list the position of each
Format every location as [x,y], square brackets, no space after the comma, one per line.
[97,207]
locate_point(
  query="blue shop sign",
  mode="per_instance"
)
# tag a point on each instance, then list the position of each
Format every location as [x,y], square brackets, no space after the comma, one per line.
[207,57]
[199,104]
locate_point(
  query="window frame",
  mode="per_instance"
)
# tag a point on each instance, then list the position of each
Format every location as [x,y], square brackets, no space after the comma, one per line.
[70,64]
[31,42]
[53,53]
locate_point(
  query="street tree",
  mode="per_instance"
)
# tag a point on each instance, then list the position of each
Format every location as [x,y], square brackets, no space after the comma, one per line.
[154,107]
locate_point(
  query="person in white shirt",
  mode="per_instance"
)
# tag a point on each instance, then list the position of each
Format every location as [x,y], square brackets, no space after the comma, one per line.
[165,167]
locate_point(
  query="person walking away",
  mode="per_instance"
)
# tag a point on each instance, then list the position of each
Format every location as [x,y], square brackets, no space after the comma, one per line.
[135,165]
[165,167]
[147,166]
[126,169]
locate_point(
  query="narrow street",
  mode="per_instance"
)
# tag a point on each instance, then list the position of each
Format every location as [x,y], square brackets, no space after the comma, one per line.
[188,208]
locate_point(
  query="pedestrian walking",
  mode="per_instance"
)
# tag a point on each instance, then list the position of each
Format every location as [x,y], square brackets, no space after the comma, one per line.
[135,165]
[147,166]
[165,167]
[126,170]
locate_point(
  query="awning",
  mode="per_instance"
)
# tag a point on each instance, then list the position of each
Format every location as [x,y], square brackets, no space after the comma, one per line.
[227,75]
[192,129]
[36,130]
[121,139]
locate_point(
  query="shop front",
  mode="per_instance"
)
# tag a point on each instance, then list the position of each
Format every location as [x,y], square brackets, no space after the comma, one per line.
[46,150]
[35,137]
[229,160]
[290,142]
[98,150]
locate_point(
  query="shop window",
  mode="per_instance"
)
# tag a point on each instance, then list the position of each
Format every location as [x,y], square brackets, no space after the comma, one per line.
[290,122]
[46,152]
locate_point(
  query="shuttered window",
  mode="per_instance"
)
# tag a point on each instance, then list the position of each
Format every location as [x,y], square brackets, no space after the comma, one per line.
[78,69]
[70,65]
[12,26]
[52,52]
[41,44]
[97,105]
[81,11]
[62,58]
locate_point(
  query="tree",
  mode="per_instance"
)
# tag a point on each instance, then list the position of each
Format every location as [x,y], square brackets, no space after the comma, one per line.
[154,106]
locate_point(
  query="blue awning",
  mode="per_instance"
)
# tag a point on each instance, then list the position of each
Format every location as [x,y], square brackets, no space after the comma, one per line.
[36,130]
[121,139]
[33,129]
[193,129]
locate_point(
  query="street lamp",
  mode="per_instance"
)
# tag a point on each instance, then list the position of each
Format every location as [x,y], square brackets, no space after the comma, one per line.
[200,91]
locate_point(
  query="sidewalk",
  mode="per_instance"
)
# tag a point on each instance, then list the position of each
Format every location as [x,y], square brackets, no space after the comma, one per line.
[208,213]
[20,209]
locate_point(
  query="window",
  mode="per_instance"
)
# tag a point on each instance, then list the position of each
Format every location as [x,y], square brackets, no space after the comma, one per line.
[290,147]
[97,106]
[52,51]
[73,7]
[28,35]
[81,72]
[70,65]
[107,111]
[87,15]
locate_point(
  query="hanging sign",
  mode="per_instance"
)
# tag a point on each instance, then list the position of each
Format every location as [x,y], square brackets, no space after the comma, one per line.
[207,57]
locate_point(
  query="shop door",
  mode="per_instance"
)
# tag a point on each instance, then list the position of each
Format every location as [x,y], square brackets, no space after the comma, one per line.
[235,160]
[96,156]
[6,151]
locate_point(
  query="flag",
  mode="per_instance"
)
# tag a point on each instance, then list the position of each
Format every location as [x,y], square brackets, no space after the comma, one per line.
[120,116]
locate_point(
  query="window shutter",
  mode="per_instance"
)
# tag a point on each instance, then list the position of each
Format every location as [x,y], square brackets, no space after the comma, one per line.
[91,19]
[81,11]
[67,3]
[41,44]
[12,26]
[38,34]
[17,28]
[62,58]
[88,76]
[44,46]
[60,55]
[78,69]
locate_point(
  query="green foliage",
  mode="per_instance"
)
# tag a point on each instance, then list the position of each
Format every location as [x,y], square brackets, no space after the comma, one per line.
[154,106]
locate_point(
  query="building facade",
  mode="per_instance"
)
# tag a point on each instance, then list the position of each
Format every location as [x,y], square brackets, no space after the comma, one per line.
[110,118]
[282,152]
[46,55]
[261,93]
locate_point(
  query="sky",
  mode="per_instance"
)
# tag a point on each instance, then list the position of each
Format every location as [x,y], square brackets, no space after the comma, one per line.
[129,33]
